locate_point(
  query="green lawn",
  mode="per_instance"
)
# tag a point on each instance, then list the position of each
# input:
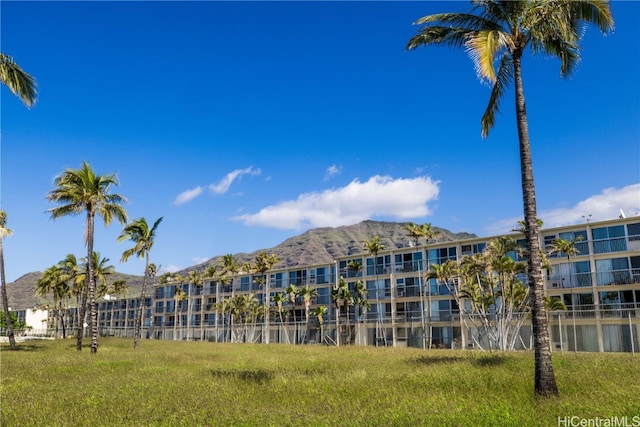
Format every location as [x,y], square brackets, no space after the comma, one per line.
[163,383]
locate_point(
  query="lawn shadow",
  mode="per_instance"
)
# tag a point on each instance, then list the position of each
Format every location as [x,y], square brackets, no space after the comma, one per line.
[437,360]
[21,347]
[258,376]
[490,360]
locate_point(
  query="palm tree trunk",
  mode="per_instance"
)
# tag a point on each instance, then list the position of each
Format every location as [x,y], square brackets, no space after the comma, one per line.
[137,333]
[5,302]
[545,382]
[93,306]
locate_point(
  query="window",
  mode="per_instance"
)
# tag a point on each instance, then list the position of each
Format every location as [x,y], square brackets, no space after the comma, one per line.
[609,239]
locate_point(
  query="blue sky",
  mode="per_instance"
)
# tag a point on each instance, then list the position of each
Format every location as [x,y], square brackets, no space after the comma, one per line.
[246,123]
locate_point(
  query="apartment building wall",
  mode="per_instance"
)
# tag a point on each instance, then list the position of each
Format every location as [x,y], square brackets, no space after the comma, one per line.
[600,286]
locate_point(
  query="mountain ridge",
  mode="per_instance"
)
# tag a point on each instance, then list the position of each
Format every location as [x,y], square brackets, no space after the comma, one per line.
[312,247]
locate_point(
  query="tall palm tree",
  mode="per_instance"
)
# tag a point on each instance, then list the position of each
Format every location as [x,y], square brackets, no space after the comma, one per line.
[195,280]
[17,80]
[280,299]
[5,232]
[72,274]
[143,238]
[210,274]
[264,263]
[499,32]
[373,247]
[53,282]
[568,248]
[427,232]
[320,311]
[78,191]
[307,293]
[179,296]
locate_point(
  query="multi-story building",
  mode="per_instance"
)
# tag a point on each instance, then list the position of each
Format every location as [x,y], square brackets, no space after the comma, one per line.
[599,285]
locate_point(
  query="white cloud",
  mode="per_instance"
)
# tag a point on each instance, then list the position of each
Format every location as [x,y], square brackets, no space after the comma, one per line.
[224,184]
[199,260]
[331,171]
[379,196]
[219,188]
[188,195]
[606,205]
[170,269]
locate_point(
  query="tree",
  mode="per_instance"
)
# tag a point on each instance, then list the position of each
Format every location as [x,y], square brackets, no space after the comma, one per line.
[53,282]
[78,191]
[307,293]
[101,272]
[17,80]
[5,232]
[280,299]
[179,296]
[209,273]
[143,238]
[417,232]
[374,246]
[71,273]
[230,266]
[292,292]
[119,287]
[342,297]
[320,311]
[195,280]
[264,263]
[499,32]
[568,248]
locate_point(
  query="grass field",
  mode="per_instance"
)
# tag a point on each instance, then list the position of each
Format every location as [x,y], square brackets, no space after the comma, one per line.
[48,383]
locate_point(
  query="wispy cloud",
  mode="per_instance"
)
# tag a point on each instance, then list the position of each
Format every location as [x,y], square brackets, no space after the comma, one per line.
[606,205]
[379,196]
[187,195]
[224,184]
[171,268]
[331,171]
[220,188]
[199,260]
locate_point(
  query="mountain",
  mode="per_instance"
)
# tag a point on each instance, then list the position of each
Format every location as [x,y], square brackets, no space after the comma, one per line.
[313,247]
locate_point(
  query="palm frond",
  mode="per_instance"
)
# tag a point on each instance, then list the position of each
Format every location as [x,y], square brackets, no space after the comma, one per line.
[503,78]
[17,80]
[439,35]
[482,47]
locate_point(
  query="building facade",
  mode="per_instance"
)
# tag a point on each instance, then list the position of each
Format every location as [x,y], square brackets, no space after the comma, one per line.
[599,285]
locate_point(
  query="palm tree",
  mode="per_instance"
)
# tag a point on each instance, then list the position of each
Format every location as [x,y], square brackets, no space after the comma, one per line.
[179,295]
[5,232]
[53,282]
[72,274]
[17,81]
[78,191]
[230,266]
[143,238]
[320,311]
[119,287]
[307,293]
[101,272]
[374,246]
[209,273]
[264,263]
[416,232]
[195,279]
[568,247]
[500,32]
[280,299]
